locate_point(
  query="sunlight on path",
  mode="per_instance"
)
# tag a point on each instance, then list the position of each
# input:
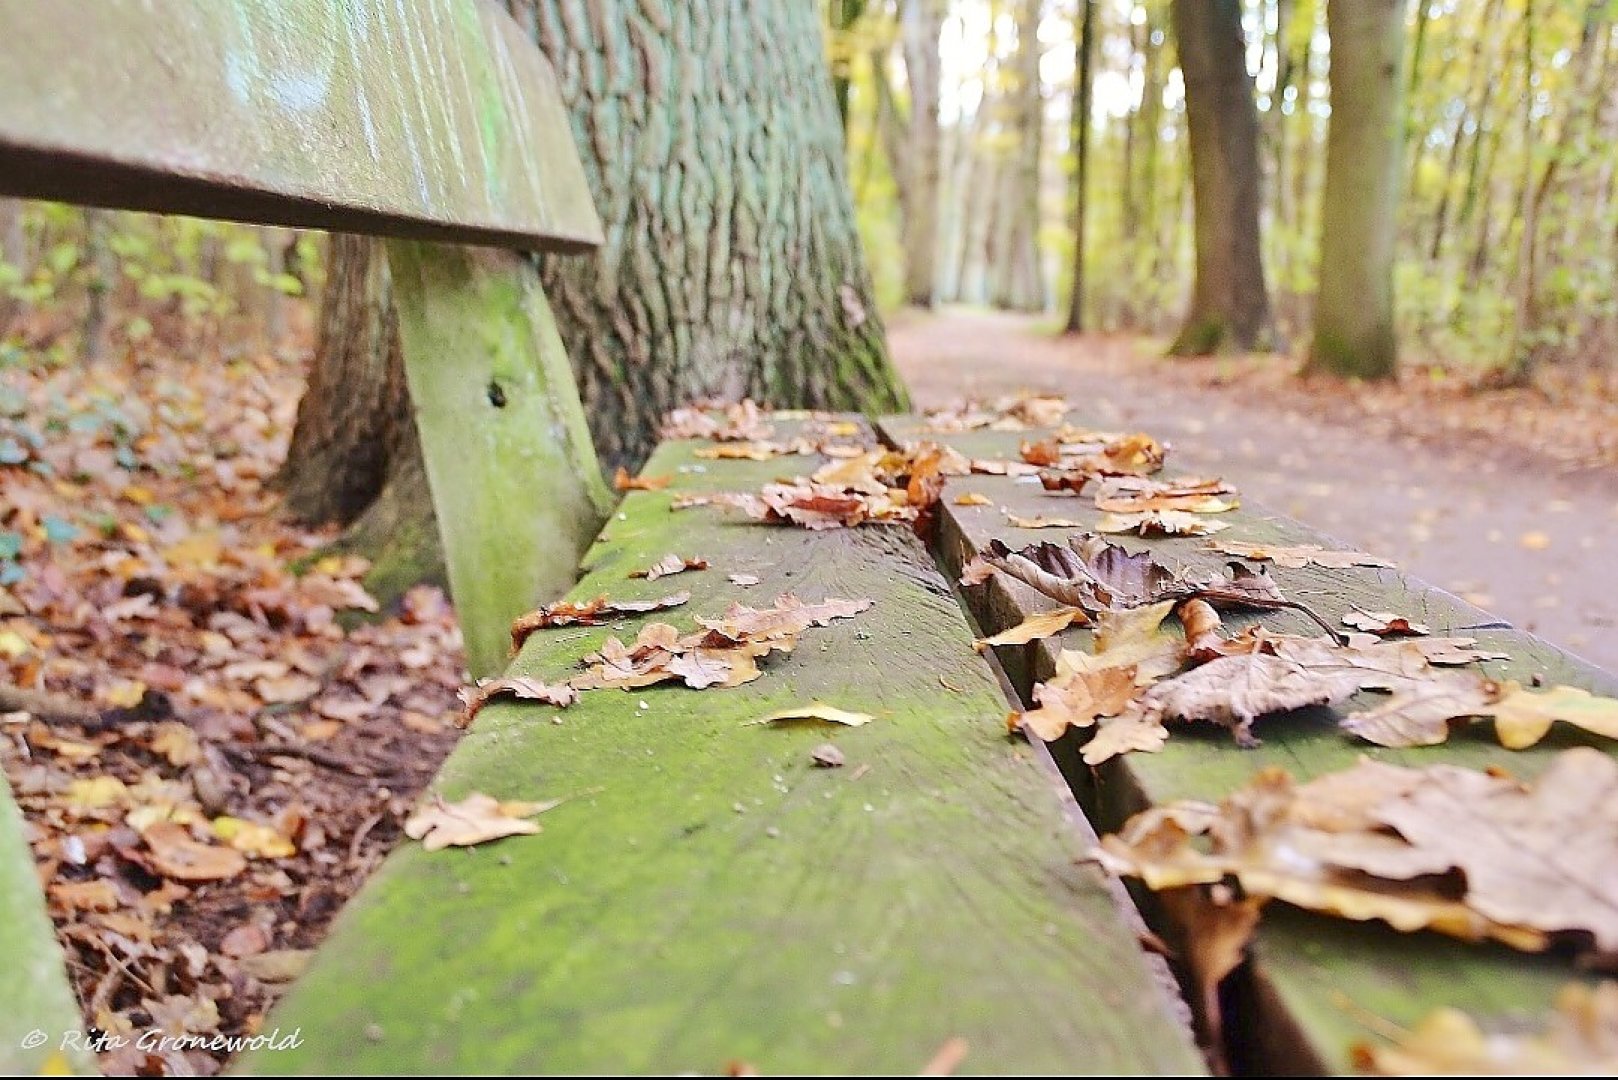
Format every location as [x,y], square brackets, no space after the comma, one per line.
[1508,533]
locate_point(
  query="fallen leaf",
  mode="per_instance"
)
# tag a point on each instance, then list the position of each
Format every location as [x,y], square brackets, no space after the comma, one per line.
[521,687]
[252,838]
[668,565]
[973,498]
[177,743]
[976,571]
[735,422]
[1424,713]
[1078,700]
[174,854]
[476,819]
[1297,556]
[752,451]
[1383,623]
[743,580]
[286,689]
[1159,523]
[277,966]
[1043,625]
[1468,853]
[248,939]
[1580,1039]
[99,894]
[622,481]
[1042,522]
[814,711]
[1133,638]
[1190,503]
[586,613]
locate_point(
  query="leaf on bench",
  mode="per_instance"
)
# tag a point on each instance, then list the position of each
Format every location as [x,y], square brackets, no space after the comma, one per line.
[1384,623]
[1424,713]
[1297,556]
[1467,853]
[1160,523]
[622,481]
[589,613]
[668,565]
[520,687]
[815,710]
[1580,1039]
[476,819]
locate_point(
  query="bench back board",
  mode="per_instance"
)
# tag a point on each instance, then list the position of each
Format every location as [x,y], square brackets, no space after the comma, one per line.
[432,119]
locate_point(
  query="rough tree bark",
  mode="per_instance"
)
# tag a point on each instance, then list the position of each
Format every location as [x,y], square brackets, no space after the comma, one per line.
[1084,49]
[1230,309]
[732,266]
[1354,332]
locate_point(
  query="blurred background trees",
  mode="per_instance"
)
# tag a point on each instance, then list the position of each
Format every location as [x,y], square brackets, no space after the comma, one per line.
[1473,213]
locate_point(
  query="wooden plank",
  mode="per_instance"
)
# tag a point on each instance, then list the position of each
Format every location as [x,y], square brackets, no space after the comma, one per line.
[515,482]
[1289,1015]
[720,899]
[436,119]
[37,1008]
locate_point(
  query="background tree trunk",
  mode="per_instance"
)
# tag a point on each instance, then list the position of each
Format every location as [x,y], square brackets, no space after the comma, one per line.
[1229,306]
[732,265]
[1084,47]
[1354,333]
[921,23]
[1014,271]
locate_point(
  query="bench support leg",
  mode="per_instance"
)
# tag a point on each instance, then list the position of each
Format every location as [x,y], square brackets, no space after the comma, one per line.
[515,482]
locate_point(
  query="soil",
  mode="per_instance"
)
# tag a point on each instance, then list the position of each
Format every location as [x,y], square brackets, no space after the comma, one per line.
[1507,498]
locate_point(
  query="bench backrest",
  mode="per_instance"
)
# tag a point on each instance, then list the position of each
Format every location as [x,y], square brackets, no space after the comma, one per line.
[429,119]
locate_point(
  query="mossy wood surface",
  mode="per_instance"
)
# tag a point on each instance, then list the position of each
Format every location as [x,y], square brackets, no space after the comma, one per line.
[36,1004]
[515,483]
[1296,1010]
[708,896]
[434,119]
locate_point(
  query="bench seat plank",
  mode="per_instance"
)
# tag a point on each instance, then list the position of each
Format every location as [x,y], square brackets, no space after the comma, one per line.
[1290,1016]
[719,898]
[434,120]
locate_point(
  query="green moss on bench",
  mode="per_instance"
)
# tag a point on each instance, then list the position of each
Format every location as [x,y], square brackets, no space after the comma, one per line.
[721,899]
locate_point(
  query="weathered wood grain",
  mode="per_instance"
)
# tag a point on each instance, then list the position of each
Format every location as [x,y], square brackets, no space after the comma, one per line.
[436,119]
[36,1004]
[1290,1014]
[516,487]
[720,898]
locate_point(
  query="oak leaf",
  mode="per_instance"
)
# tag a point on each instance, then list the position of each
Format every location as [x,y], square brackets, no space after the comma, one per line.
[521,687]
[1424,713]
[586,613]
[476,819]
[668,565]
[1297,556]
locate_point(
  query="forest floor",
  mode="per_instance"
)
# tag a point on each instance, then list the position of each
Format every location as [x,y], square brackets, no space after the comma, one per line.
[1507,498]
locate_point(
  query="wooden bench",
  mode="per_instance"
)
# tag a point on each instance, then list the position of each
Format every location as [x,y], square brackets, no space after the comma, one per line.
[436,124]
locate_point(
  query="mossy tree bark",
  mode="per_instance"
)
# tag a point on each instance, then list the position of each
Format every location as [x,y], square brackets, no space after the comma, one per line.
[732,265]
[1230,308]
[1354,332]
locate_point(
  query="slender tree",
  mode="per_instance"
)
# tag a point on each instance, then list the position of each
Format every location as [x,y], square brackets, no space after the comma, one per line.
[1084,52]
[710,136]
[1230,309]
[1354,331]
[1015,279]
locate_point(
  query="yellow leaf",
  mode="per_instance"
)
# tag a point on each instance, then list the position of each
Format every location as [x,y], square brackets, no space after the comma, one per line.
[174,854]
[95,792]
[972,498]
[815,710]
[1042,625]
[124,694]
[251,838]
[1522,717]
[13,644]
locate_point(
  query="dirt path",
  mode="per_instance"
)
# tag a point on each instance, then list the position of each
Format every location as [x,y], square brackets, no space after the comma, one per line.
[1524,534]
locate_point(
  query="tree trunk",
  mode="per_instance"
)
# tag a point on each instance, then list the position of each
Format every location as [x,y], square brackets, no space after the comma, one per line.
[921,23]
[1015,279]
[732,267]
[1084,49]
[13,253]
[1354,332]
[1230,309]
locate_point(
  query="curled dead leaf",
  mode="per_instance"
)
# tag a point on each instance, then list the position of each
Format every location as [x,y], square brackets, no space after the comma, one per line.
[476,819]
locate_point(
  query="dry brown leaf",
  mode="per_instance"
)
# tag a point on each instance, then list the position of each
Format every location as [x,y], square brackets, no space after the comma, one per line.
[976,571]
[521,687]
[1134,638]
[1078,700]
[1423,714]
[476,819]
[1129,731]
[622,481]
[991,467]
[1581,1039]
[743,580]
[1188,502]
[668,565]
[738,421]
[1297,556]
[1043,522]
[1383,623]
[972,498]
[814,711]
[1160,523]
[1042,625]
[1468,853]
[787,617]
[174,854]
[1216,927]
[586,613]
